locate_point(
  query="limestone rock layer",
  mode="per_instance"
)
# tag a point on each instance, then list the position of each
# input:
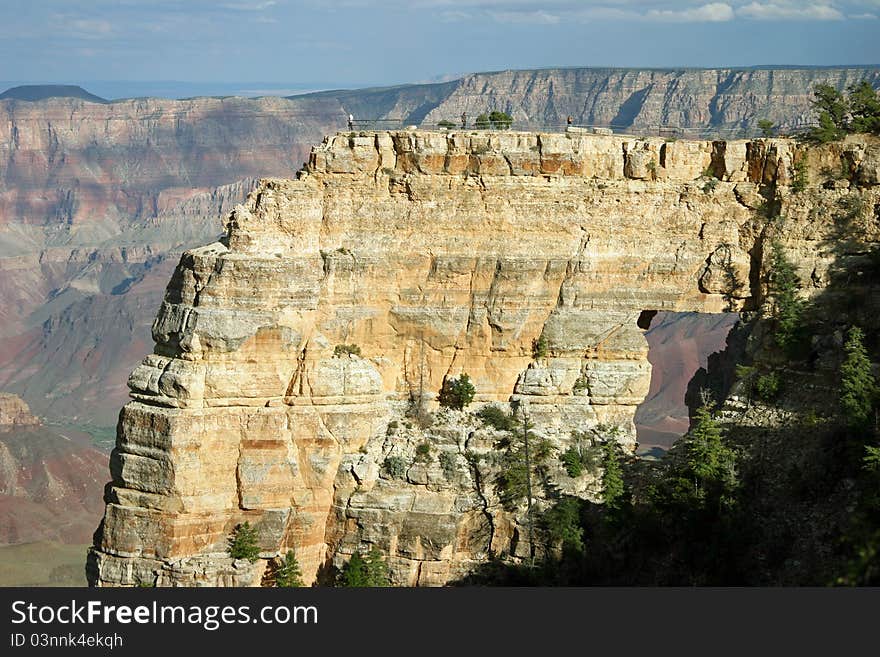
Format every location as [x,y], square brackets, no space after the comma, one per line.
[435,254]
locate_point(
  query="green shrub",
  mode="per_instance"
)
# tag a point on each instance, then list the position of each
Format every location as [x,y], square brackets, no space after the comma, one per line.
[482,121]
[289,574]
[767,386]
[392,427]
[580,384]
[497,418]
[446,123]
[395,466]
[457,393]
[540,347]
[243,543]
[423,452]
[448,464]
[347,350]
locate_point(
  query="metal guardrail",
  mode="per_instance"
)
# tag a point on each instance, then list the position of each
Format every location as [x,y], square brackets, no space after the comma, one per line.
[665,131]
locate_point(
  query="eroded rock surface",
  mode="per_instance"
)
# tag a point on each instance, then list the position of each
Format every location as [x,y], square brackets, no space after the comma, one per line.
[436,255]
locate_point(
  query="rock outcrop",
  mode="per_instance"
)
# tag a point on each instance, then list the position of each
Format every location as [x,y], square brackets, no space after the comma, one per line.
[14,412]
[436,255]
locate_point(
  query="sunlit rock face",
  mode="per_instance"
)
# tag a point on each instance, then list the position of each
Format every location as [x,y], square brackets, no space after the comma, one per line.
[436,254]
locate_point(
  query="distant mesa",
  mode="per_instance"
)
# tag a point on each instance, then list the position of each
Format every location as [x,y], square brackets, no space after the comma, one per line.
[35,92]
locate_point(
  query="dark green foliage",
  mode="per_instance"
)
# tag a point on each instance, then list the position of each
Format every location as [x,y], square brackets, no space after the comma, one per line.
[571,460]
[858,390]
[243,543]
[395,466]
[495,119]
[766,128]
[497,418]
[864,106]
[839,115]
[457,393]
[423,452]
[612,476]
[831,108]
[562,522]
[500,120]
[799,177]
[289,574]
[366,571]
[346,350]
[580,455]
[445,123]
[767,386]
[540,347]
[787,307]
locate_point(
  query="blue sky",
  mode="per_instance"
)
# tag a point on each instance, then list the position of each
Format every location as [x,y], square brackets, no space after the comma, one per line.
[321,43]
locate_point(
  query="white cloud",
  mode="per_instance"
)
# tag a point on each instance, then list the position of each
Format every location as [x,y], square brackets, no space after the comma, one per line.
[257,5]
[787,10]
[715,12]
[530,17]
[92,29]
[863,17]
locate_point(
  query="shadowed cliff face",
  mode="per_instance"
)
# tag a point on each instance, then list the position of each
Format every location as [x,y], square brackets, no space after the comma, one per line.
[438,255]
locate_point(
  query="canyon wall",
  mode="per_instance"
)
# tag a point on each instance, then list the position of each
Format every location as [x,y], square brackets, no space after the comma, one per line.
[436,255]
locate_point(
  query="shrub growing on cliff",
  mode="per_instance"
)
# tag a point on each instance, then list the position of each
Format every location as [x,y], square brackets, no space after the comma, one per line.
[496,418]
[540,347]
[612,477]
[395,466]
[243,543]
[289,574]
[457,393]
[347,350]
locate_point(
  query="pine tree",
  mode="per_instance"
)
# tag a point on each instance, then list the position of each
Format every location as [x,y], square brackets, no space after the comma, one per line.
[612,477]
[858,389]
[787,307]
[243,543]
[376,568]
[289,574]
[362,572]
[710,464]
[354,573]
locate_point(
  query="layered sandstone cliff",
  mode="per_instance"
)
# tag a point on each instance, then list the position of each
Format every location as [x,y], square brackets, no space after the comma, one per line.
[437,255]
